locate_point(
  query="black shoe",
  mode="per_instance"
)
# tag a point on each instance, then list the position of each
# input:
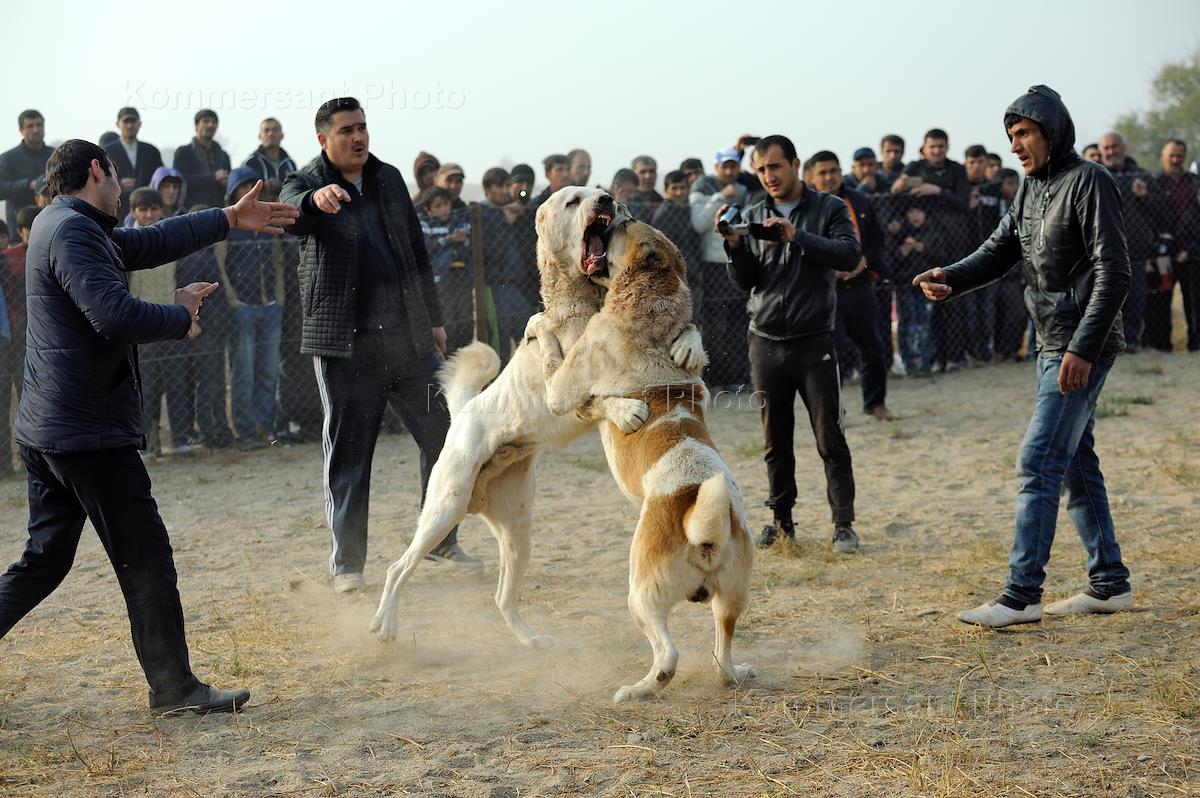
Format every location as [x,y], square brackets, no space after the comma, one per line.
[845,540]
[203,700]
[771,533]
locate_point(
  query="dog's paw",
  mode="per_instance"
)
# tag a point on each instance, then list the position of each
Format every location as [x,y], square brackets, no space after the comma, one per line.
[628,414]
[688,350]
[538,641]
[634,692]
[384,626]
[741,673]
[532,326]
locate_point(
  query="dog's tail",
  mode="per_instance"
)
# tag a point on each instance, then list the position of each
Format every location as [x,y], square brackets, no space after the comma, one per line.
[466,373]
[708,525]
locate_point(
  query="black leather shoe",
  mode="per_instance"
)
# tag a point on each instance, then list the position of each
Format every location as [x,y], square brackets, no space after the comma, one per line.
[203,700]
[772,532]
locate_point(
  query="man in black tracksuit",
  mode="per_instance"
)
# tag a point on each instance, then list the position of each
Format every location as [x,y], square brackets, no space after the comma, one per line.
[372,323]
[858,318]
[793,297]
[79,424]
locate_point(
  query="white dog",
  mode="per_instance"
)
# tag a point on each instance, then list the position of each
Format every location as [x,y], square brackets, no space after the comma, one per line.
[692,541]
[487,463]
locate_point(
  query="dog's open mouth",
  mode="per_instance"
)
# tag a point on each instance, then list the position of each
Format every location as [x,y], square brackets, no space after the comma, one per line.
[595,244]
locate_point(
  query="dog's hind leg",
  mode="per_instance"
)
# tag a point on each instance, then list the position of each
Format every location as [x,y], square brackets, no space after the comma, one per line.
[451,484]
[726,610]
[509,513]
[650,611]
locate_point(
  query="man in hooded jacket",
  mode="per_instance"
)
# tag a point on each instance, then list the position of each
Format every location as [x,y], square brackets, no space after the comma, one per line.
[1067,228]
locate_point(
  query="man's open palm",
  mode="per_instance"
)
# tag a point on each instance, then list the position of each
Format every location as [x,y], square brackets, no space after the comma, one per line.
[251,214]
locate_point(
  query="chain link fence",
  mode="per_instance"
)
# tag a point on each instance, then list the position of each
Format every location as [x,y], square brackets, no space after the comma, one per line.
[243,381]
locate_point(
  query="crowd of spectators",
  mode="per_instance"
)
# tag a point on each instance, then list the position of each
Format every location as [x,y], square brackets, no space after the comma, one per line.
[244,383]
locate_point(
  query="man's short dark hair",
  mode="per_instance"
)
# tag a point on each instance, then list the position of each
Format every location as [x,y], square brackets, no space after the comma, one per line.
[1010,120]
[68,168]
[624,176]
[270,119]
[646,159]
[776,140]
[330,107]
[673,177]
[1180,142]
[937,134]
[551,161]
[821,156]
[436,193]
[1006,174]
[995,158]
[891,138]
[145,197]
[205,113]
[496,176]
[25,217]
[29,113]
[975,151]
[691,163]
[577,151]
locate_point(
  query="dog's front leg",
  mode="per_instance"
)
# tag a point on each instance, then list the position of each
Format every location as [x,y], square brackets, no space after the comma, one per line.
[552,352]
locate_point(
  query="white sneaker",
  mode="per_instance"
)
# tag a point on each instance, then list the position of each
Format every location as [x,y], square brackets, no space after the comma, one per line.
[454,555]
[348,582]
[995,615]
[1087,603]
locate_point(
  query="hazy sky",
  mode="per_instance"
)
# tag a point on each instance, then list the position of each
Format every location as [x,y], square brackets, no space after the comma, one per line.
[499,83]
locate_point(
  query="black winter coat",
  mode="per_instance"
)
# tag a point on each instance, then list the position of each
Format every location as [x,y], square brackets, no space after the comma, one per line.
[793,284]
[329,251]
[1066,225]
[82,389]
[17,167]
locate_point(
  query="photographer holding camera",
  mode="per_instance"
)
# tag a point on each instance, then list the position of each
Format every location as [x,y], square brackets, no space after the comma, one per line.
[786,250]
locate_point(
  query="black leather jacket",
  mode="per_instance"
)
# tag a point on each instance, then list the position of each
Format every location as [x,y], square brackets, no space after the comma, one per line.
[793,285]
[1067,225]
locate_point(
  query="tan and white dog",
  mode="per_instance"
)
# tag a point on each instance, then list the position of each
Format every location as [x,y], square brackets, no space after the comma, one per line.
[692,541]
[487,463]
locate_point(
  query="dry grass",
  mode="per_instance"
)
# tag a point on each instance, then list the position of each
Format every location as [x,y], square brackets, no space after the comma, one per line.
[868,686]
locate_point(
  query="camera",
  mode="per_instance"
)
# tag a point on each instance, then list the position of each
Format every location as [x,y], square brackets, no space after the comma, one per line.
[731,224]
[749,141]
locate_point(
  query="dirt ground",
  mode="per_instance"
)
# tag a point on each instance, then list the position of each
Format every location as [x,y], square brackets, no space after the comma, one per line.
[868,684]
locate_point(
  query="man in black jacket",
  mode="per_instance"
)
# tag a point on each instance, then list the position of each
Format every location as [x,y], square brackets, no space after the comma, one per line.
[858,317]
[203,164]
[79,424]
[1067,228]
[136,161]
[793,296]
[270,161]
[1143,221]
[939,186]
[372,322]
[21,166]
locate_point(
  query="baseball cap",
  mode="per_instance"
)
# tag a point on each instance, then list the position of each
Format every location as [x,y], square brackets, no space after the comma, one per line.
[447,169]
[522,172]
[728,154]
[127,112]
[863,152]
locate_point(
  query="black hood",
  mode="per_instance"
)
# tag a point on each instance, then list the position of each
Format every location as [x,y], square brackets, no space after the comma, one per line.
[1043,105]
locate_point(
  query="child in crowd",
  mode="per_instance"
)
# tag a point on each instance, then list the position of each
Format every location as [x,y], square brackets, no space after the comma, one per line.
[448,241]
[917,248]
[162,363]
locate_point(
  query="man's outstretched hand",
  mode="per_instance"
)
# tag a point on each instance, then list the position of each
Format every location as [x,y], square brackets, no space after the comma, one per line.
[250,213]
[933,283]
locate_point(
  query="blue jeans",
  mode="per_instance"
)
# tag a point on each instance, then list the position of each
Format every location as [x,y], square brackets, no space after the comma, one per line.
[916,315]
[1058,453]
[255,368]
